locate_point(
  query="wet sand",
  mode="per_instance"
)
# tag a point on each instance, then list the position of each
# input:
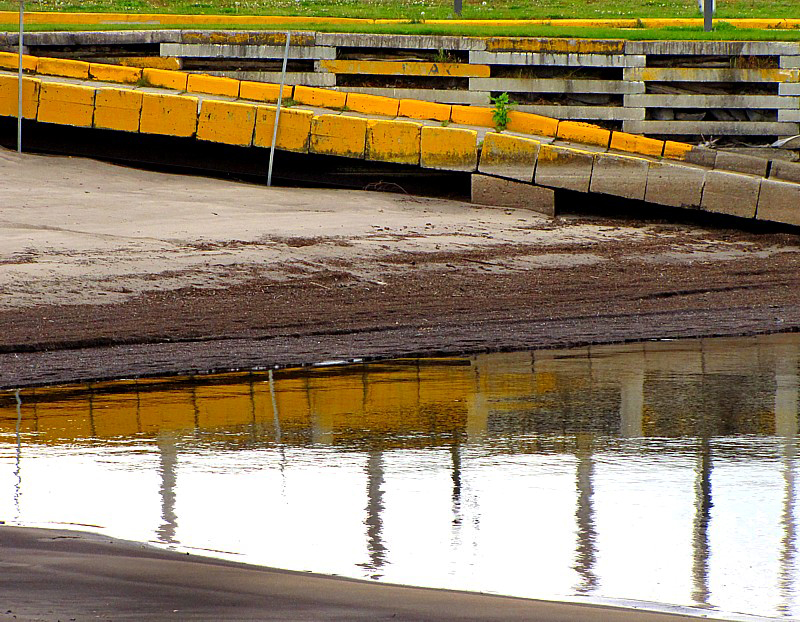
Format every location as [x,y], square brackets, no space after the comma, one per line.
[50,575]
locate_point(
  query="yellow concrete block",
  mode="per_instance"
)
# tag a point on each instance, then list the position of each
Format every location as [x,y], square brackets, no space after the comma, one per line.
[448,148]
[632,143]
[162,78]
[153,62]
[263,91]
[339,135]
[9,60]
[226,122]
[409,68]
[583,133]
[114,73]
[415,109]
[323,98]
[63,67]
[212,85]
[529,123]
[171,115]
[676,151]
[294,128]
[393,141]
[372,104]
[67,104]
[557,46]
[117,109]
[472,115]
[9,96]
[512,157]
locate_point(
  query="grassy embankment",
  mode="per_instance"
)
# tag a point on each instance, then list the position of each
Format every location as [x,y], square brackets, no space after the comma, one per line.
[415,16]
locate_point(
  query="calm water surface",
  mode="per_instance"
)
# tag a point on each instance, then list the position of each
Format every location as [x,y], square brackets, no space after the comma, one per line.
[662,472]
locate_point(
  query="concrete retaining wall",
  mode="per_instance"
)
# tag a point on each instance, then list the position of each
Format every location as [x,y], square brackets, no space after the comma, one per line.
[663,88]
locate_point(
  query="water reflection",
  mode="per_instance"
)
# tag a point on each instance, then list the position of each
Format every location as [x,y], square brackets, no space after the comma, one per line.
[656,471]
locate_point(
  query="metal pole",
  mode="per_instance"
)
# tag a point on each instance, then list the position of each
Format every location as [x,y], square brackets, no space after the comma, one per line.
[708,14]
[19,83]
[278,109]
[457,7]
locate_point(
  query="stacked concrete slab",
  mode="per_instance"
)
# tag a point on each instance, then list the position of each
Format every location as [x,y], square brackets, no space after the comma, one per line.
[664,88]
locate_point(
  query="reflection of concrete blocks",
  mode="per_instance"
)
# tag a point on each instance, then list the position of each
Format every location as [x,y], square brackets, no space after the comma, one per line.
[779,201]
[619,176]
[563,167]
[731,193]
[504,193]
[507,156]
[674,185]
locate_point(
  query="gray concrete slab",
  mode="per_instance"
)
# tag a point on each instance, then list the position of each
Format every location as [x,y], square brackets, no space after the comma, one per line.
[713,48]
[735,194]
[675,185]
[711,101]
[557,60]
[268,52]
[619,175]
[562,167]
[702,156]
[787,171]
[507,156]
[555,85]
[515,194]
[741,163]
[790,62]
[420,42]
[712,128]
[788,115]
[585,113]
[301,78]
[789,88]
[779,201]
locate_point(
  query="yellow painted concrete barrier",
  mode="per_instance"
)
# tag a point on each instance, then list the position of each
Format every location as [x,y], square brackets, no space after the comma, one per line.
[11,61]
[152,62]
[323,98]
[339,135]
[583,133]
[114,73]
[161,78]
[9,96]
[212,85]
[472,115]
[170,115]
[414,109]
[447,148]
[622,141]
[226,122]
[372,104]
[557,46]
[393,141]
[262,91]
[676,151]
[117,109]
[529,123]
[409,68]
[509,156]
[66,104]
[294,129]
[63,67]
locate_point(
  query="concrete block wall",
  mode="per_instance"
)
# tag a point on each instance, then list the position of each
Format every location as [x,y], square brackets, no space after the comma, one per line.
[658,88]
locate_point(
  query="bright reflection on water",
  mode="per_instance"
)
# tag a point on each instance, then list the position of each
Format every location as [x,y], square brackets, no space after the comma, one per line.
[660,471]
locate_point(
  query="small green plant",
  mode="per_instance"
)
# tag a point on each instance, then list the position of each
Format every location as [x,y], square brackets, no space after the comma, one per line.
[444,56]
[288,102]
[502,106]
[446,122]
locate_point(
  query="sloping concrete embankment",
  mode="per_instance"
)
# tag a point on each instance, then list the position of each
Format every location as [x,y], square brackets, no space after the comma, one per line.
[536,151]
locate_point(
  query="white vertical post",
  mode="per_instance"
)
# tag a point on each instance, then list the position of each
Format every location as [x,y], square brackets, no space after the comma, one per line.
[278,108]
[19,82]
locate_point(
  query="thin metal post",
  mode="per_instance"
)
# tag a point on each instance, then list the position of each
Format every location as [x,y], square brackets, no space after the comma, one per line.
[708,15]
[278,109]
[19,79]
[457,5]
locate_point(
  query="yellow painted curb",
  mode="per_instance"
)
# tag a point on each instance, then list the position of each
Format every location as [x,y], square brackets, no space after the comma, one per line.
[114,73]
[372,104]
[393,141]
[263,91]
[558,46]
[62,67]
[530,123]
[294,129]
[471,115]
[585,133]
[231,123]
[11,61]
[633,143]
[448,148]
[322,98]
[117,109]
[152,62]
[162,78]
[9,96]
[212,85]
[414,109]
[676,151]
[338,135]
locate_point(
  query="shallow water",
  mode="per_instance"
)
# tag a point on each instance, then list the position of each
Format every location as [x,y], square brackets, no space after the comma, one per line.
[661,472]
